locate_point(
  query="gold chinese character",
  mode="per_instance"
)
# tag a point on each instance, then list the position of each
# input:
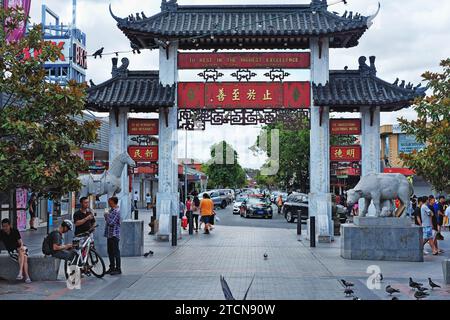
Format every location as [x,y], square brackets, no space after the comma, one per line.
[267,95]
[251,94]
[149,153]
[236,95]
[338,153]
[137,154]
[351,153]
[221,96]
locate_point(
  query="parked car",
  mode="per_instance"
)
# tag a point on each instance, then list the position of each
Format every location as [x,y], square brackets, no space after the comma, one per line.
[220,198]
[238,203]
[296,204]
[256,207]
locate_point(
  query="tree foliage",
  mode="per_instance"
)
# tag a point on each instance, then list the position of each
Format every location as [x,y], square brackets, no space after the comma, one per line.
[223,173]
[38,134]
[432,127]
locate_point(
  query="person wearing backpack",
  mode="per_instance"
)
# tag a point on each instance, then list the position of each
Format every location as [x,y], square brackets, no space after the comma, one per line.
[54,245]
[14,245]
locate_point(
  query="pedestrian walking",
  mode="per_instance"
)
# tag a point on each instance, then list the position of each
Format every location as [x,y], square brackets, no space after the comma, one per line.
[148,200]
[189,205]
[427,224]
[279,203]
[17,250]
[182,214]
[112,233]
[206,211]
[417,214]
[32,209]
[440,216]
[447,215]
[195,210]
[435,222]
[135,199]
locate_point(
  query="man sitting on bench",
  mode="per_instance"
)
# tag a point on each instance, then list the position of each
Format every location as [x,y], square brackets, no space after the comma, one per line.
[16,249]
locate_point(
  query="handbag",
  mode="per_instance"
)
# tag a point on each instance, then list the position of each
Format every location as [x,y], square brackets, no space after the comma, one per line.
[184,222]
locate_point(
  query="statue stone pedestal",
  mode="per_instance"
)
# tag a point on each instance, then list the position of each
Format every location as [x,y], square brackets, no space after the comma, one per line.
[385,239]
[131,238]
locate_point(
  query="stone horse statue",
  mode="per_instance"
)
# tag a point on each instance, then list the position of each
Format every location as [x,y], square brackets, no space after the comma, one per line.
[108,182]
[382,189]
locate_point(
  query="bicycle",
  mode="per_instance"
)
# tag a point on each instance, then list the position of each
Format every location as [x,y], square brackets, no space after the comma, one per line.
[86,257]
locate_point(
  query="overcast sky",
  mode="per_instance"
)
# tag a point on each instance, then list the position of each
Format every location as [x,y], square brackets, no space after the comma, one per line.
[408,38]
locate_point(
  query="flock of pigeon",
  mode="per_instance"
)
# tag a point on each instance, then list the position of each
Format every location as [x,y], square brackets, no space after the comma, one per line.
[420,292]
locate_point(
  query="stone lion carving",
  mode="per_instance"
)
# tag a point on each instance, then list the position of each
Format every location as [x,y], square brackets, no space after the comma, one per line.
[107,183]
[382,189]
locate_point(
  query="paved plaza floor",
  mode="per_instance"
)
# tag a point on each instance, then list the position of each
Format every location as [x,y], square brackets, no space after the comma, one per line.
[192,270]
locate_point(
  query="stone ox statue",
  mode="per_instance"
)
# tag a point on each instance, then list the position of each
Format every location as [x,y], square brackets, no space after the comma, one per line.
[107,182]
[382,189]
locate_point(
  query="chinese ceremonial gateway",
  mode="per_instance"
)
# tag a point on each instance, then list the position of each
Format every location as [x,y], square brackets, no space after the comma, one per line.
[249,86]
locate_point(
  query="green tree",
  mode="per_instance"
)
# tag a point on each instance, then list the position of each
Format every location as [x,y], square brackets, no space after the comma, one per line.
[223,173]
[432,127]
[38,135]
[293,162]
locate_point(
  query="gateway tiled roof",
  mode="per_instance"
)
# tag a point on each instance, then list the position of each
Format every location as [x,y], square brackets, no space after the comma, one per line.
[138,90]
[350,89]
[244,26]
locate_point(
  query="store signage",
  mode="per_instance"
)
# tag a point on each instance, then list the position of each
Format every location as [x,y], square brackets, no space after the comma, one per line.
[79,56]
[143,154]
[345,153]
[345,126]
[257,60]
[251,95]
[141,127]
[408,144]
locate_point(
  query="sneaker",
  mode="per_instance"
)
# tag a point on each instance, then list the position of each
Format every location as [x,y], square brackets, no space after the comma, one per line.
[19,277]
[425,252]
[109,271]
[28,280]
[116,272]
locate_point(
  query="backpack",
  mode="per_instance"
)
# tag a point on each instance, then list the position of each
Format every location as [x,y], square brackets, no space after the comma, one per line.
[47,246]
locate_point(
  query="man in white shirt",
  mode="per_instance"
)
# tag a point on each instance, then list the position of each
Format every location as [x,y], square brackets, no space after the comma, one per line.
[135,199]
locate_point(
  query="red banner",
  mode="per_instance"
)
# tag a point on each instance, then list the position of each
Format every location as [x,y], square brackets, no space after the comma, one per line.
[257,60]
[345,153]
[142,127]
[17,34]
[88,155]
[251,95]
[403,171]
[345,126]
[144,154]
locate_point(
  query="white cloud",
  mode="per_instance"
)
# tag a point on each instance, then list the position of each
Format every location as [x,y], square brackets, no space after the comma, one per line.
[408,38]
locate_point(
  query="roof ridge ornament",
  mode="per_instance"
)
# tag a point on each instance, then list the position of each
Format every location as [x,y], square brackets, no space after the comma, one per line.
[317,5]
[365,69]
[169,5]
[119,20]
[123,69]
[372,17]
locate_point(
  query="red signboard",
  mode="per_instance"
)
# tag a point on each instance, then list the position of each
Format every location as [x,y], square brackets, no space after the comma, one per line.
[141,127]
[88,155]
[345,153]
[251,95]
[261,60]
[345,126]
[143,154]
[404,171]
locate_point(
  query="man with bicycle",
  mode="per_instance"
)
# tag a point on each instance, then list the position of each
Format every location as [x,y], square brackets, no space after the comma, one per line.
[84,218]
[58,248]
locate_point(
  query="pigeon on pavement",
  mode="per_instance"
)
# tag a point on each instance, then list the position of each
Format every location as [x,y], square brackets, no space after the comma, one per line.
[422,289]
[420,295]
[432,284]
[348,292]
[413,284]
[266,256]
[391,290]
[394,298]
[347,284]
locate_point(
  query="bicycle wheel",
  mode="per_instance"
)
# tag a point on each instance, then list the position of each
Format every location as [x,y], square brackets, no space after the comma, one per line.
[96,264]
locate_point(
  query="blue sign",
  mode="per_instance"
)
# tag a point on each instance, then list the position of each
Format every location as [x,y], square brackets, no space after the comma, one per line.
[408,143]
[50,212]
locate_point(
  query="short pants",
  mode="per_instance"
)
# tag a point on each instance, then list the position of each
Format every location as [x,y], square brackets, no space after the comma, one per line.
[427,233]
[206,219]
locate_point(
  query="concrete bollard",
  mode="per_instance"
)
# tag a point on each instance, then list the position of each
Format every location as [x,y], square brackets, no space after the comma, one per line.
[446,271]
